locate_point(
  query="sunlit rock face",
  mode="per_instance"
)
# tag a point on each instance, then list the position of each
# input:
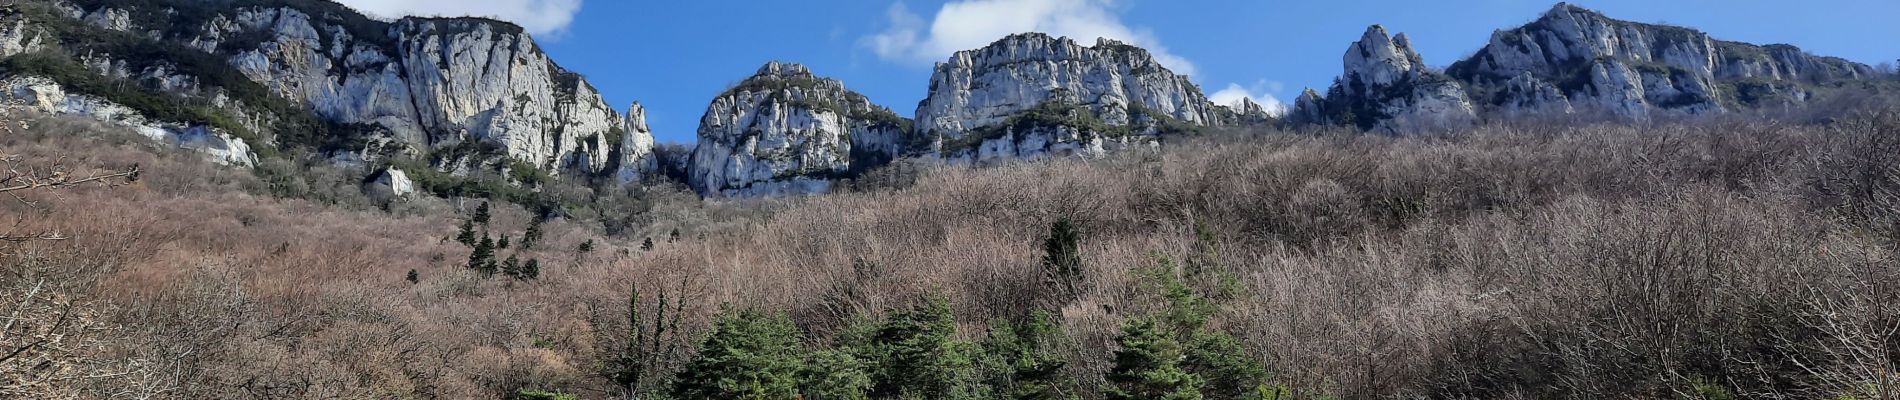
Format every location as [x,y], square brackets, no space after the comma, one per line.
[1574,59]
[785,131]
[1032,94]
[1387,87]
[417,84]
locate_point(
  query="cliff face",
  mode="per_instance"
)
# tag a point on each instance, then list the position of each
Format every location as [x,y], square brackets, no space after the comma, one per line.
[1575,58]
[1387,87]
[787,131]
[1110,84]
[412,86]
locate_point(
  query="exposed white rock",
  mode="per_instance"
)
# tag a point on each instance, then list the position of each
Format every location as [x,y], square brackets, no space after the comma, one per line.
[1634,69]
[787,131]
[18,36]
[1387,87]
[117,19]
[1120,84]
[393,182]
[44,95]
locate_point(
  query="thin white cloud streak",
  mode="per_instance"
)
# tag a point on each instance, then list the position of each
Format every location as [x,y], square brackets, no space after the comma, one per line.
[538,17]
[971,24]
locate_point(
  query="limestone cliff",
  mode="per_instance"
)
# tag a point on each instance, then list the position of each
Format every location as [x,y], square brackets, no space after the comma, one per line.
[787,131]
[1387,87]
[1573,58]
[980,101]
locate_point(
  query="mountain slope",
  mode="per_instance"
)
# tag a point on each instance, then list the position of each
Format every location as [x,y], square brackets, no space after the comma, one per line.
[376,89]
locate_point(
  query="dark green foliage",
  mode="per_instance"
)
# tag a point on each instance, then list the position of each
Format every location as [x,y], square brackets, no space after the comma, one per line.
[503,243]
[748,355]
[646,245]
[1062,259]
[832,374]
[531,269]
[411,277]
[533,235]
[467,234]
[482,258]
[585,247]
[511,266]
[1228,370]
[674,236]
[1020,361]
[481,214]
[535,394]
[1147,366]
[917,355]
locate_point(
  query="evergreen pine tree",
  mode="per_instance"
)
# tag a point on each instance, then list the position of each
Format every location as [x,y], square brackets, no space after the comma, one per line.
[918,356]
[586,246]
[832,374]
[511,266]
[503,243]
[673,237]
[1062,259]
[411,277]
[467,235]
[531,269]
[749,355]
[533,235]
[481,214]
[482,259]
[647,245]
[1147,366]
[1020,363]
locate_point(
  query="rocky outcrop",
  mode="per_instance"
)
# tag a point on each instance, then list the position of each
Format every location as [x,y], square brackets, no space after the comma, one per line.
[787,131]
[417,84]
[1387,87]
[392,182]
[1573,58]
[979,99]
[45,96]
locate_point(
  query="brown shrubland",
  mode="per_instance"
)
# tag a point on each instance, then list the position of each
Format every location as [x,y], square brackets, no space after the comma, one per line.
[1737,255]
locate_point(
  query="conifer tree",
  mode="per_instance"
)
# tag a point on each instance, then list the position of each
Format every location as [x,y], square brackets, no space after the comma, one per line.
[918,356]
[532,236]
[482,258]
[481,214]
[511,266]
[411,277]
[586,246]
[531,269]
[503,243]
[647,245]
[1148,366]
[467,235]
[749,355]
[832,374]
[1062,259]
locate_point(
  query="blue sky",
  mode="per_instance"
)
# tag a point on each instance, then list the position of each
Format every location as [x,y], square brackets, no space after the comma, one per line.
[673,56]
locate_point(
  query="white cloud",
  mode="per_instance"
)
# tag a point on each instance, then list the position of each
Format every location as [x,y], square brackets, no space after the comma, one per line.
[539,17]
[970,24]
[1260,92]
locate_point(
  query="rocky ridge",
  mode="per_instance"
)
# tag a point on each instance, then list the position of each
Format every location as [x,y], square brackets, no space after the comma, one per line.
[785,130]
[1032,94]
[407,87]
[1571,60]
[1387,87]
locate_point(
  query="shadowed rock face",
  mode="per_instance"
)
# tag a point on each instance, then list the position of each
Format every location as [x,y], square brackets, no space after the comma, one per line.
[1575,58]
[1112,83]
[787,131]
[419,83]
[1387,87]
